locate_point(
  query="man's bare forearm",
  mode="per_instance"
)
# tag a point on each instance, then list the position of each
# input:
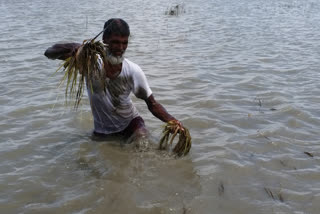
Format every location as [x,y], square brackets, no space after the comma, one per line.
[158,110]
[61,51]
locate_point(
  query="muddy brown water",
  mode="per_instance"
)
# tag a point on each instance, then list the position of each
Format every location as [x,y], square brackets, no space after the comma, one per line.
[243,76]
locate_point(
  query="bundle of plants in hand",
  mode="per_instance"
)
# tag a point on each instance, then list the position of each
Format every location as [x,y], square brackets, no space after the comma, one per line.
[170,131]
[83,64]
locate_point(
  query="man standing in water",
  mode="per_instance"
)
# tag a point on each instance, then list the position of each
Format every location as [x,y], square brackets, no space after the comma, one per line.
[112,109]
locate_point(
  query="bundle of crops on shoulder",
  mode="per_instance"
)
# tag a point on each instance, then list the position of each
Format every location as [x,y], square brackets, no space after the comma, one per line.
[170,131]
[84,65]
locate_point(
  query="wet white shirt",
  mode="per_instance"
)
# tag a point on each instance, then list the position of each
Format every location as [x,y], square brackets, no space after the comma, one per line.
[112,109]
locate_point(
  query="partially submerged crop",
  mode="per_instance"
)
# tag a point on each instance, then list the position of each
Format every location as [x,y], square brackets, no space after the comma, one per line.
[83,64]
[170,131]
[175,10]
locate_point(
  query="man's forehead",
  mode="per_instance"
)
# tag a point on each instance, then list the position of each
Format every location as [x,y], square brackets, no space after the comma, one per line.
[117,36]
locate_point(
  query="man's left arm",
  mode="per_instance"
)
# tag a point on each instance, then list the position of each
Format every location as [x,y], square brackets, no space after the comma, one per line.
[158,110]
[142,90]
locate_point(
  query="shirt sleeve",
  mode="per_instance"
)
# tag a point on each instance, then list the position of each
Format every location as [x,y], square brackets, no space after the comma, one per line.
[141,87]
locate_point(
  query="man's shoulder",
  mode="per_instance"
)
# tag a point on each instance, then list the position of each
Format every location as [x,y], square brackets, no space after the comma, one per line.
[131,66]
[129,62]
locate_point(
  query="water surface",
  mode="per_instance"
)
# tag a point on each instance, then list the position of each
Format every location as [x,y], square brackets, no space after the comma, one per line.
[241,75]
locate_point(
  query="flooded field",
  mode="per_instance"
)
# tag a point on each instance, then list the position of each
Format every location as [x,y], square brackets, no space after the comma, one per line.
[241,75]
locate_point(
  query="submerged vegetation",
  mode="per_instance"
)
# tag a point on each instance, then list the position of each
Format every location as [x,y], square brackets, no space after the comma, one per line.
[83,64]
[175,10]
[170,131]
[273,195]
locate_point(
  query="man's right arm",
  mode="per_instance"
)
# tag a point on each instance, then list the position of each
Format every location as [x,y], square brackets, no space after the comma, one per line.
[61,51]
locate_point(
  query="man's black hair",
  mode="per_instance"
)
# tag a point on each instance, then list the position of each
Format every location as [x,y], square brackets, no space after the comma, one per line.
[115,26]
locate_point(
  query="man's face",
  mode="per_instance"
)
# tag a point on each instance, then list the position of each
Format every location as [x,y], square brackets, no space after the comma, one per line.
[117,44]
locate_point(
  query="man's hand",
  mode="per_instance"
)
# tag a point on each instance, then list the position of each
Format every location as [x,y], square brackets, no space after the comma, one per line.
[177,123]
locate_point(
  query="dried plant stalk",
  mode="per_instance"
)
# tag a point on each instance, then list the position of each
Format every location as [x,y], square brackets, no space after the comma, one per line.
[170,131]
[83,64]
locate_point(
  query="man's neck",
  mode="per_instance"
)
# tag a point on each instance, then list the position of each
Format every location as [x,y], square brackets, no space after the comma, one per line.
[113,70]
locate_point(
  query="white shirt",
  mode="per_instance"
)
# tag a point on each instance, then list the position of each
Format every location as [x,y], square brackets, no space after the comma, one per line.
[112,109]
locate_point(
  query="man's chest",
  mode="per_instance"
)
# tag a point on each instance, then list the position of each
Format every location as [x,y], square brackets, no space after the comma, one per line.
[122,85]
